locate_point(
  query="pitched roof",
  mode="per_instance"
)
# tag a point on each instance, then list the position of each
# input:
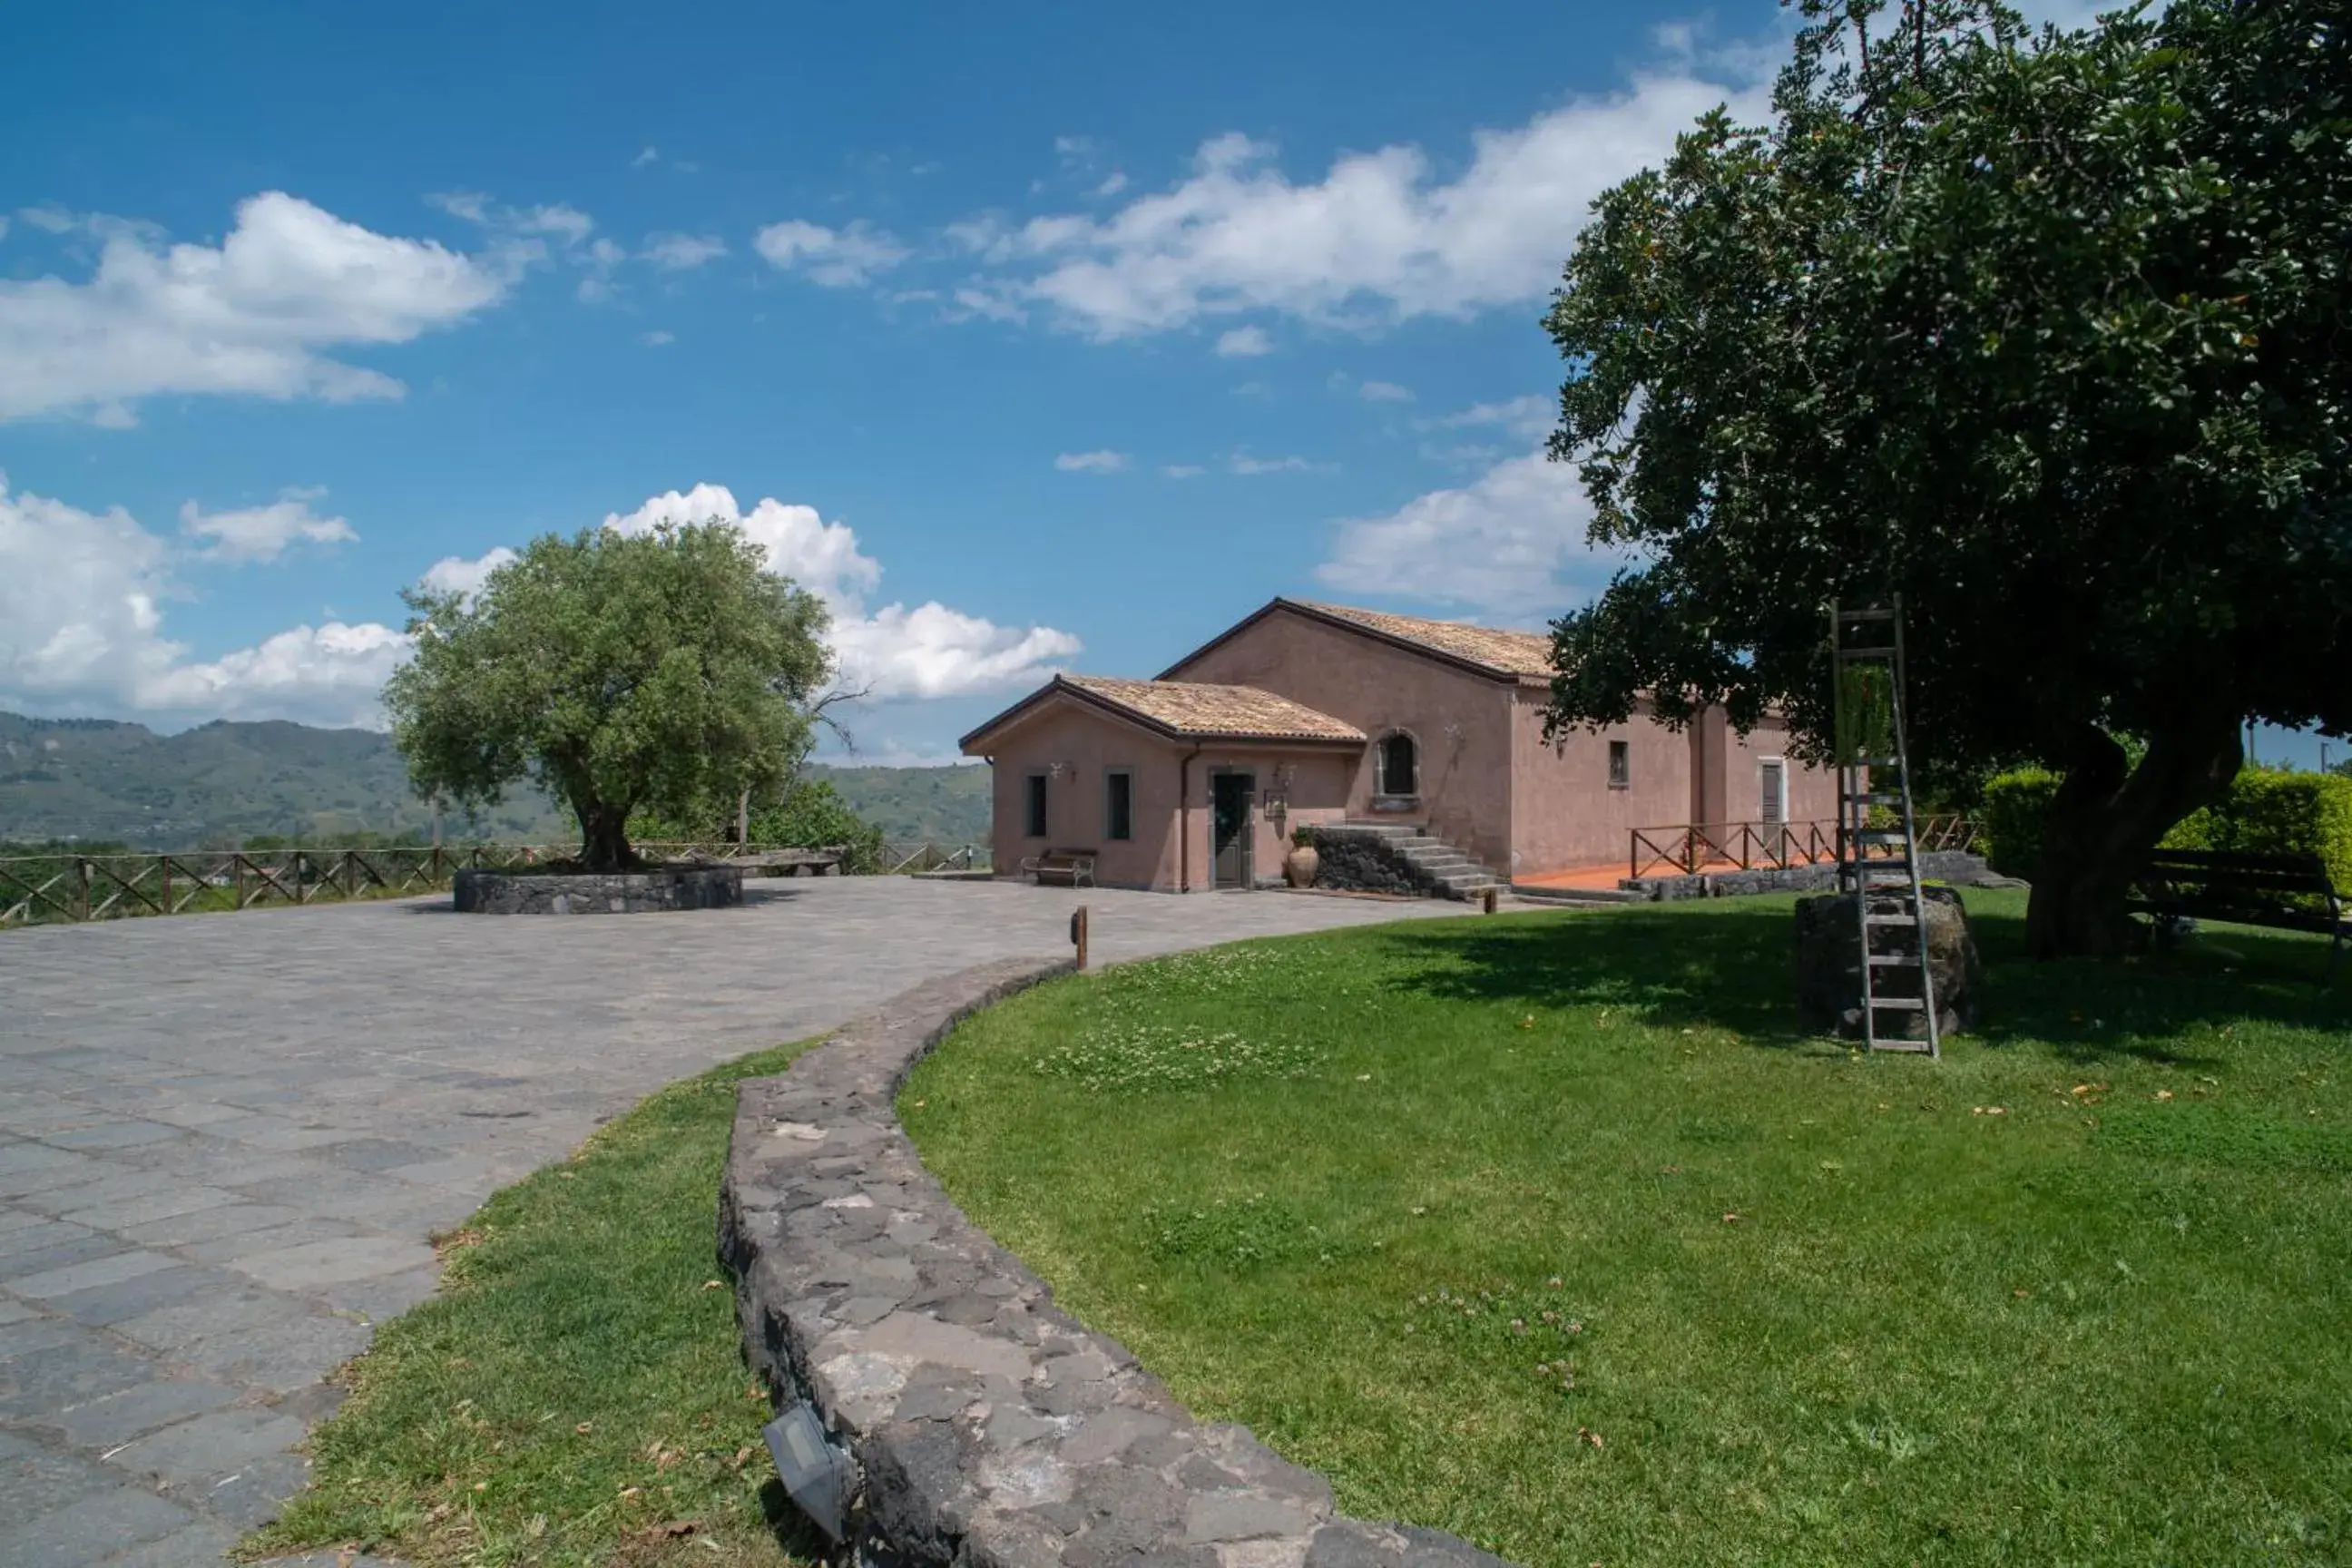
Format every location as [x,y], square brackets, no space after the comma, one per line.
[1521,657]
[1190,709]
[1504,653]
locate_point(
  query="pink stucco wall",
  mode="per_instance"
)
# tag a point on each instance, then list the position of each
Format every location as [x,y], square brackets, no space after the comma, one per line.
[1090,743]
[1461,721]
[1565,813]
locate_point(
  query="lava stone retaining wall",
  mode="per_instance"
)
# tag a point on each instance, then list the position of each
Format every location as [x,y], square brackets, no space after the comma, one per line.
[989,1428]
[1937,864]
[1357,861]
[577,893]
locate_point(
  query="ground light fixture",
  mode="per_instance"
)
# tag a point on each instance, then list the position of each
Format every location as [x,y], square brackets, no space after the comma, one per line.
[817,1476]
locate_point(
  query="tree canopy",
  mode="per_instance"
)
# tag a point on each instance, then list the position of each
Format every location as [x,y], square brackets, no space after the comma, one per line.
[2047,334]
[615,671]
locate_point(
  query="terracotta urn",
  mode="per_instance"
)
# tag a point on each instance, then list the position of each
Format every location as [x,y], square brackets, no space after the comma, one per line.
[1298,867]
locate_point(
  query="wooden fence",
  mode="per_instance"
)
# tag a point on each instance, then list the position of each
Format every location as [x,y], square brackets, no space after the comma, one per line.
[1692,847]
[49,889]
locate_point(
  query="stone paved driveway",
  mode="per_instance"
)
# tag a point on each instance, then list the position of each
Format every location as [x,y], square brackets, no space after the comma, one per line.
[225,1140]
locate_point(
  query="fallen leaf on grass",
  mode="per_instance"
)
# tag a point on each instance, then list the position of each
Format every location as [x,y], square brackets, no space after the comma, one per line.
[1732,1216]
[714,1284]
[2164,1094]
[1588,1435]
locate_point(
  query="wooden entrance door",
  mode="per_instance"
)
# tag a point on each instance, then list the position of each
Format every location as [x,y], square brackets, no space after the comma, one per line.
[1229,809]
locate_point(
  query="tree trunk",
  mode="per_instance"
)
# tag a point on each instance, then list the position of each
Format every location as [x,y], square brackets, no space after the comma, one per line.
[2106,818]
[603,836]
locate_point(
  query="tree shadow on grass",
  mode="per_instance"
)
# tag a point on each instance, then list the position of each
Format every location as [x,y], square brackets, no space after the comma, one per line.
[1734,968]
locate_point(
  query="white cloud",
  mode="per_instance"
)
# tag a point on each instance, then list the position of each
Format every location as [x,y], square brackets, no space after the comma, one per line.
[47,219]
[263,532]
[1383,391]
[81,631]
[837,258]
[1382,236]
[658,338]
[1104,462]
[1112,185]
[253,315]
[650,155]
[1242,463]
[892,652]
[682,252]
[1510,545]
[1182,471]
[1526,419]
[456,575]
[1243,342]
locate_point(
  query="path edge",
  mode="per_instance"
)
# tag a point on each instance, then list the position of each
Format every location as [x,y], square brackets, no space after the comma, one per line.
[988,1427]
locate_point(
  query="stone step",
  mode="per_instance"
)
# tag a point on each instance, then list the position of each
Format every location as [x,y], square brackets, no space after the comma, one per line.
[1594,897]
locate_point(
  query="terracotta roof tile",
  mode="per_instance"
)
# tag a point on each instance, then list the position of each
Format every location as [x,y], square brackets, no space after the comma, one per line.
[1196,707]
[1505,653]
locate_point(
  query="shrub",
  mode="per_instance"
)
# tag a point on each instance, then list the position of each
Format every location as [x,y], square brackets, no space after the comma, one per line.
[2267,812]
[2009,820]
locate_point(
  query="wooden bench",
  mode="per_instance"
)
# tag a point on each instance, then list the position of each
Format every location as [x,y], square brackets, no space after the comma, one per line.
[1062,868]
[2284,892]
[824,862]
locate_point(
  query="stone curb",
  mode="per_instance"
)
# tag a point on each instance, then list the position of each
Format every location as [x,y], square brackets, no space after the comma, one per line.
[991,1428]
[1939,865]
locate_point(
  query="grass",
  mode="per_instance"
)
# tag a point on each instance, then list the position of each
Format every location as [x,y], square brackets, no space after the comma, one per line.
[1551,1231]
[576,1392]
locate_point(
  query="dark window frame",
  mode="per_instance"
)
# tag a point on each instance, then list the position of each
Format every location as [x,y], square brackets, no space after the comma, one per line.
[1035,815]
[1119,802]
[1383,780]
[1620,764]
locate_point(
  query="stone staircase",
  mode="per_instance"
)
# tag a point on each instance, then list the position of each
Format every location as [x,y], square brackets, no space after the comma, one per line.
[1397,858]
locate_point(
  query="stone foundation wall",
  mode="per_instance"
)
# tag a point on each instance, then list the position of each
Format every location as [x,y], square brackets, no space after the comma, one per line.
[988,1428]
[1957,865]
[638,892]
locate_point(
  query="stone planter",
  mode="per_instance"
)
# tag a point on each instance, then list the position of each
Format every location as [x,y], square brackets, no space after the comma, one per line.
[590,893]
[1829,964]
[1298,867]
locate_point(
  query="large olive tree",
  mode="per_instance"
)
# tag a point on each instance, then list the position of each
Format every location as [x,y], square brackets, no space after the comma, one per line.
[615,671]
[2047,334]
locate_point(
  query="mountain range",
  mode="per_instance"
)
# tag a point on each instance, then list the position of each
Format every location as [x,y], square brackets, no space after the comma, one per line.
[100,780]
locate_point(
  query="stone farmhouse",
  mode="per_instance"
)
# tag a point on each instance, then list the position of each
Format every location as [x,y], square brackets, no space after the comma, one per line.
[1322,714]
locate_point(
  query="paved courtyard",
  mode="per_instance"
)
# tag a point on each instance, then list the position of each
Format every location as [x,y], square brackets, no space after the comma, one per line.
[225,1139]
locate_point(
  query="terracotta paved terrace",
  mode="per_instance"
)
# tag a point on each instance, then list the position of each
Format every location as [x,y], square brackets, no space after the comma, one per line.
[225,1139]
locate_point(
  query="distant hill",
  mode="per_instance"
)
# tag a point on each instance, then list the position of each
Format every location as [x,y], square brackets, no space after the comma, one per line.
[95,779]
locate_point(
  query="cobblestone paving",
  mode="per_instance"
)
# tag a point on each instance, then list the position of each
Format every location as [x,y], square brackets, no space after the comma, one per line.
[225,1139]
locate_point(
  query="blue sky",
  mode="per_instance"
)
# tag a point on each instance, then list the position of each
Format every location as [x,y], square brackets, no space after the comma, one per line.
[1035,337]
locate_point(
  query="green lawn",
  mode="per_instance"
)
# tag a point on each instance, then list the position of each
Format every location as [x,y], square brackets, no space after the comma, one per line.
[1549,1230]
[576,1393]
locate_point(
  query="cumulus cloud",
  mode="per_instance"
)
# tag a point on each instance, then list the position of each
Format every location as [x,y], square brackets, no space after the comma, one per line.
[682,252]
[265,533]
[456,575]
[1383,391]
[1182,471]
[837,258]
[892,652]
[82,630]
[658,338]
[1243,342]
[254,315]
[1382,236]
[1525,418]
[1104,462]
[1510,545]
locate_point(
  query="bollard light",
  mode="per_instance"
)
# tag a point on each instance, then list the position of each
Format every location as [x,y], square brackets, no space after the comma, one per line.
[817,1476]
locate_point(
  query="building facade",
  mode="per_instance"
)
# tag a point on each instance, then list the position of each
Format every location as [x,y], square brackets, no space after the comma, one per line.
[1305,713]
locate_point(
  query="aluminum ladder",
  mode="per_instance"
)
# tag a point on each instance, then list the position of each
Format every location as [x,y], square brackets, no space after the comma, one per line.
[1880,863]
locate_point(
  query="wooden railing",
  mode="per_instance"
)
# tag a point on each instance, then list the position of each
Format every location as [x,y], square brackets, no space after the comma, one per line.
[1692,847]
[49,888]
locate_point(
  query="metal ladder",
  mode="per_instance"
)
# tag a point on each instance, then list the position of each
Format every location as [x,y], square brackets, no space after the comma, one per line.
[1874,770]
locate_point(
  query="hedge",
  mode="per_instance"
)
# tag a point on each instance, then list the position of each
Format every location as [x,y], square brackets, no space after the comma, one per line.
[2267,812]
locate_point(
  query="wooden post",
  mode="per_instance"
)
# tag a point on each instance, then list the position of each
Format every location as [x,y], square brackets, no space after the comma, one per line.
[1079,934]
[1486,899]
[236,863]
[167,884]
[81,864]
